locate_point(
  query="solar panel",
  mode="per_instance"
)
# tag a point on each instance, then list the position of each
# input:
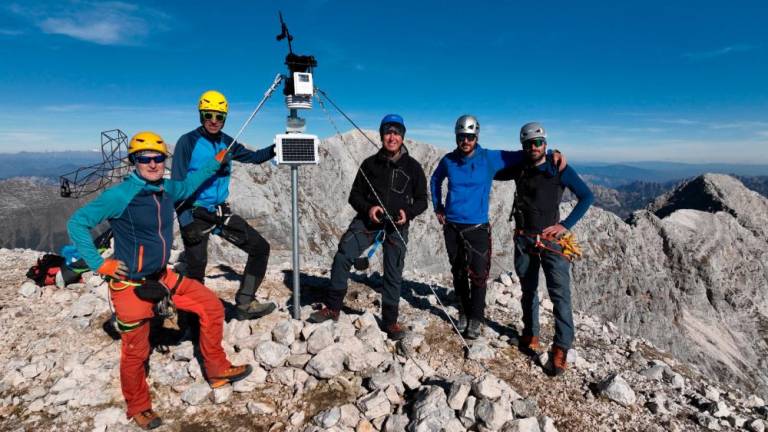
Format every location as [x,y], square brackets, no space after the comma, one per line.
[296,149]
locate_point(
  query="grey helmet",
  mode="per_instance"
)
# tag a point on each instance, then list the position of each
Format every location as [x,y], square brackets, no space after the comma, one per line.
[532,130]
[467,124]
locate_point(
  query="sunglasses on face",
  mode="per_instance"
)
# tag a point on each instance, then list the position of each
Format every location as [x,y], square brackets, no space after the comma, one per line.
[535,142]
[392,131]
[210,115]
[147,159]
[468,137]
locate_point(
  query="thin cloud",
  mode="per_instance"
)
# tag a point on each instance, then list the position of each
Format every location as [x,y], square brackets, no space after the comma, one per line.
[680,121]
[108,23]
[66,108]
[704,55]
[10,32]
[739,125]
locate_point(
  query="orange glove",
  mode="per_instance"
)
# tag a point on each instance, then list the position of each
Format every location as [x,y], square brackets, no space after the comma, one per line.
[113,268]
[222,156]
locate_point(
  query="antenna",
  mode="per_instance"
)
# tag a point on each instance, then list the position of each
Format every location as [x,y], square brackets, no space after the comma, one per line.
[285,33]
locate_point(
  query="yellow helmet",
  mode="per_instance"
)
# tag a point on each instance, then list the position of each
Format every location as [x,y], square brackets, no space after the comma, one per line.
[213,101]
[147,141]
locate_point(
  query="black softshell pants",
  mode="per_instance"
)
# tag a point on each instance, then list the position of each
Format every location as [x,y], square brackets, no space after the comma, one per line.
[235,230]
[352,244]
[469,252]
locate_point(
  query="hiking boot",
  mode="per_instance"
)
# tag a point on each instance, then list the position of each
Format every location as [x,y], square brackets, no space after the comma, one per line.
[528,343]
[323,315]
[395,332]
[230,375]
[559,360]
[474,329]
[254,310]
[461,323]
[147,420]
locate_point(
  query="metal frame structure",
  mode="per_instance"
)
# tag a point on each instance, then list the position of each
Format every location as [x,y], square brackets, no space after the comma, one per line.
[93,178]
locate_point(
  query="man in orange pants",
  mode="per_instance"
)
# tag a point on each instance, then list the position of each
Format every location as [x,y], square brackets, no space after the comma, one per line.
[140,212]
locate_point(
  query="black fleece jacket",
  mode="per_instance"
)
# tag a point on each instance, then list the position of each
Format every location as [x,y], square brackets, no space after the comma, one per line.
[399,184]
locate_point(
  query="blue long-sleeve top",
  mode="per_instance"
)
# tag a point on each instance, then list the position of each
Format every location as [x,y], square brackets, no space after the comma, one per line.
[192,150]
[571,180]
[469,182]
[141,217]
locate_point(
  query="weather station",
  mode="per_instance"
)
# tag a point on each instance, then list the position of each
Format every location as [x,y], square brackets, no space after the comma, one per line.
[294,147]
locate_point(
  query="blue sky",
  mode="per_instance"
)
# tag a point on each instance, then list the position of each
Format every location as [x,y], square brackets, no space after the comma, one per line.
[618,81]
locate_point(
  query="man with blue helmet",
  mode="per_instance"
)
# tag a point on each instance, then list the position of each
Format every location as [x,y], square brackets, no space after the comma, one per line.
[390,189]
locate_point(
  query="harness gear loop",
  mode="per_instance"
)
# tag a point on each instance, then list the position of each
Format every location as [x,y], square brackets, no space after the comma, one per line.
[124,327]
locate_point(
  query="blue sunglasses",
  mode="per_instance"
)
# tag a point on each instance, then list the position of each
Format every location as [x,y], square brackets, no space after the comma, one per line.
[147,159]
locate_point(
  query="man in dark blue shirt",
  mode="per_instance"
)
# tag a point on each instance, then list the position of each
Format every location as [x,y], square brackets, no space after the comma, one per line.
[538,227]
[206,212]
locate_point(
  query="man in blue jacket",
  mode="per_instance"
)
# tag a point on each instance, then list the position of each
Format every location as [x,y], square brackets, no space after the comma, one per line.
[140,214]
[470,170]
[538,227]
[207,211]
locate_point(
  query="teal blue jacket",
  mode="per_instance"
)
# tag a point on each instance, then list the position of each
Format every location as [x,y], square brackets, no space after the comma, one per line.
[141,216]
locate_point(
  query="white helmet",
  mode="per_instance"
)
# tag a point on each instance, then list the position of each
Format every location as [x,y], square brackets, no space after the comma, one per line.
[467,124]
[532,130]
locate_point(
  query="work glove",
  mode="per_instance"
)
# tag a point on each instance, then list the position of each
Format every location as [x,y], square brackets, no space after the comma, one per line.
[223,157]
[151,291]
[113,268]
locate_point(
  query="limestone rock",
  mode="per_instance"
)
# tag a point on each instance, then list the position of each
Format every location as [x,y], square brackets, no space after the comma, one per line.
[328,363]
[328,418]
[525,407]
[616,389]
[196,394]
[374,404]
[271,354]
[283,333]
[493,414]
[222,394]
[256,379]
[29,289]
[260,408]
[459,391]
[430,403]
[320,338]
[522,425]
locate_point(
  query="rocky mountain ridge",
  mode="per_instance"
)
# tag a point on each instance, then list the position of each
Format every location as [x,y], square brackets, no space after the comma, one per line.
[692,281]
[690,286]
[61,370]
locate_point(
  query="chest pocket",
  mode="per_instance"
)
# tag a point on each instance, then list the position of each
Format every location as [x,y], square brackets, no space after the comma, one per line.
[399,181]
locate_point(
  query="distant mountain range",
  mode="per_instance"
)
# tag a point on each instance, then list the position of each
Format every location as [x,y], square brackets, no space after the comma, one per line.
[619,188]
[615,175]
[47,164]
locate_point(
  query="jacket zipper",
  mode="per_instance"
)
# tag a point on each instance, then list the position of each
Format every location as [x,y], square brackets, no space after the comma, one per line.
[160,227]
[391,184]
[141,259]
